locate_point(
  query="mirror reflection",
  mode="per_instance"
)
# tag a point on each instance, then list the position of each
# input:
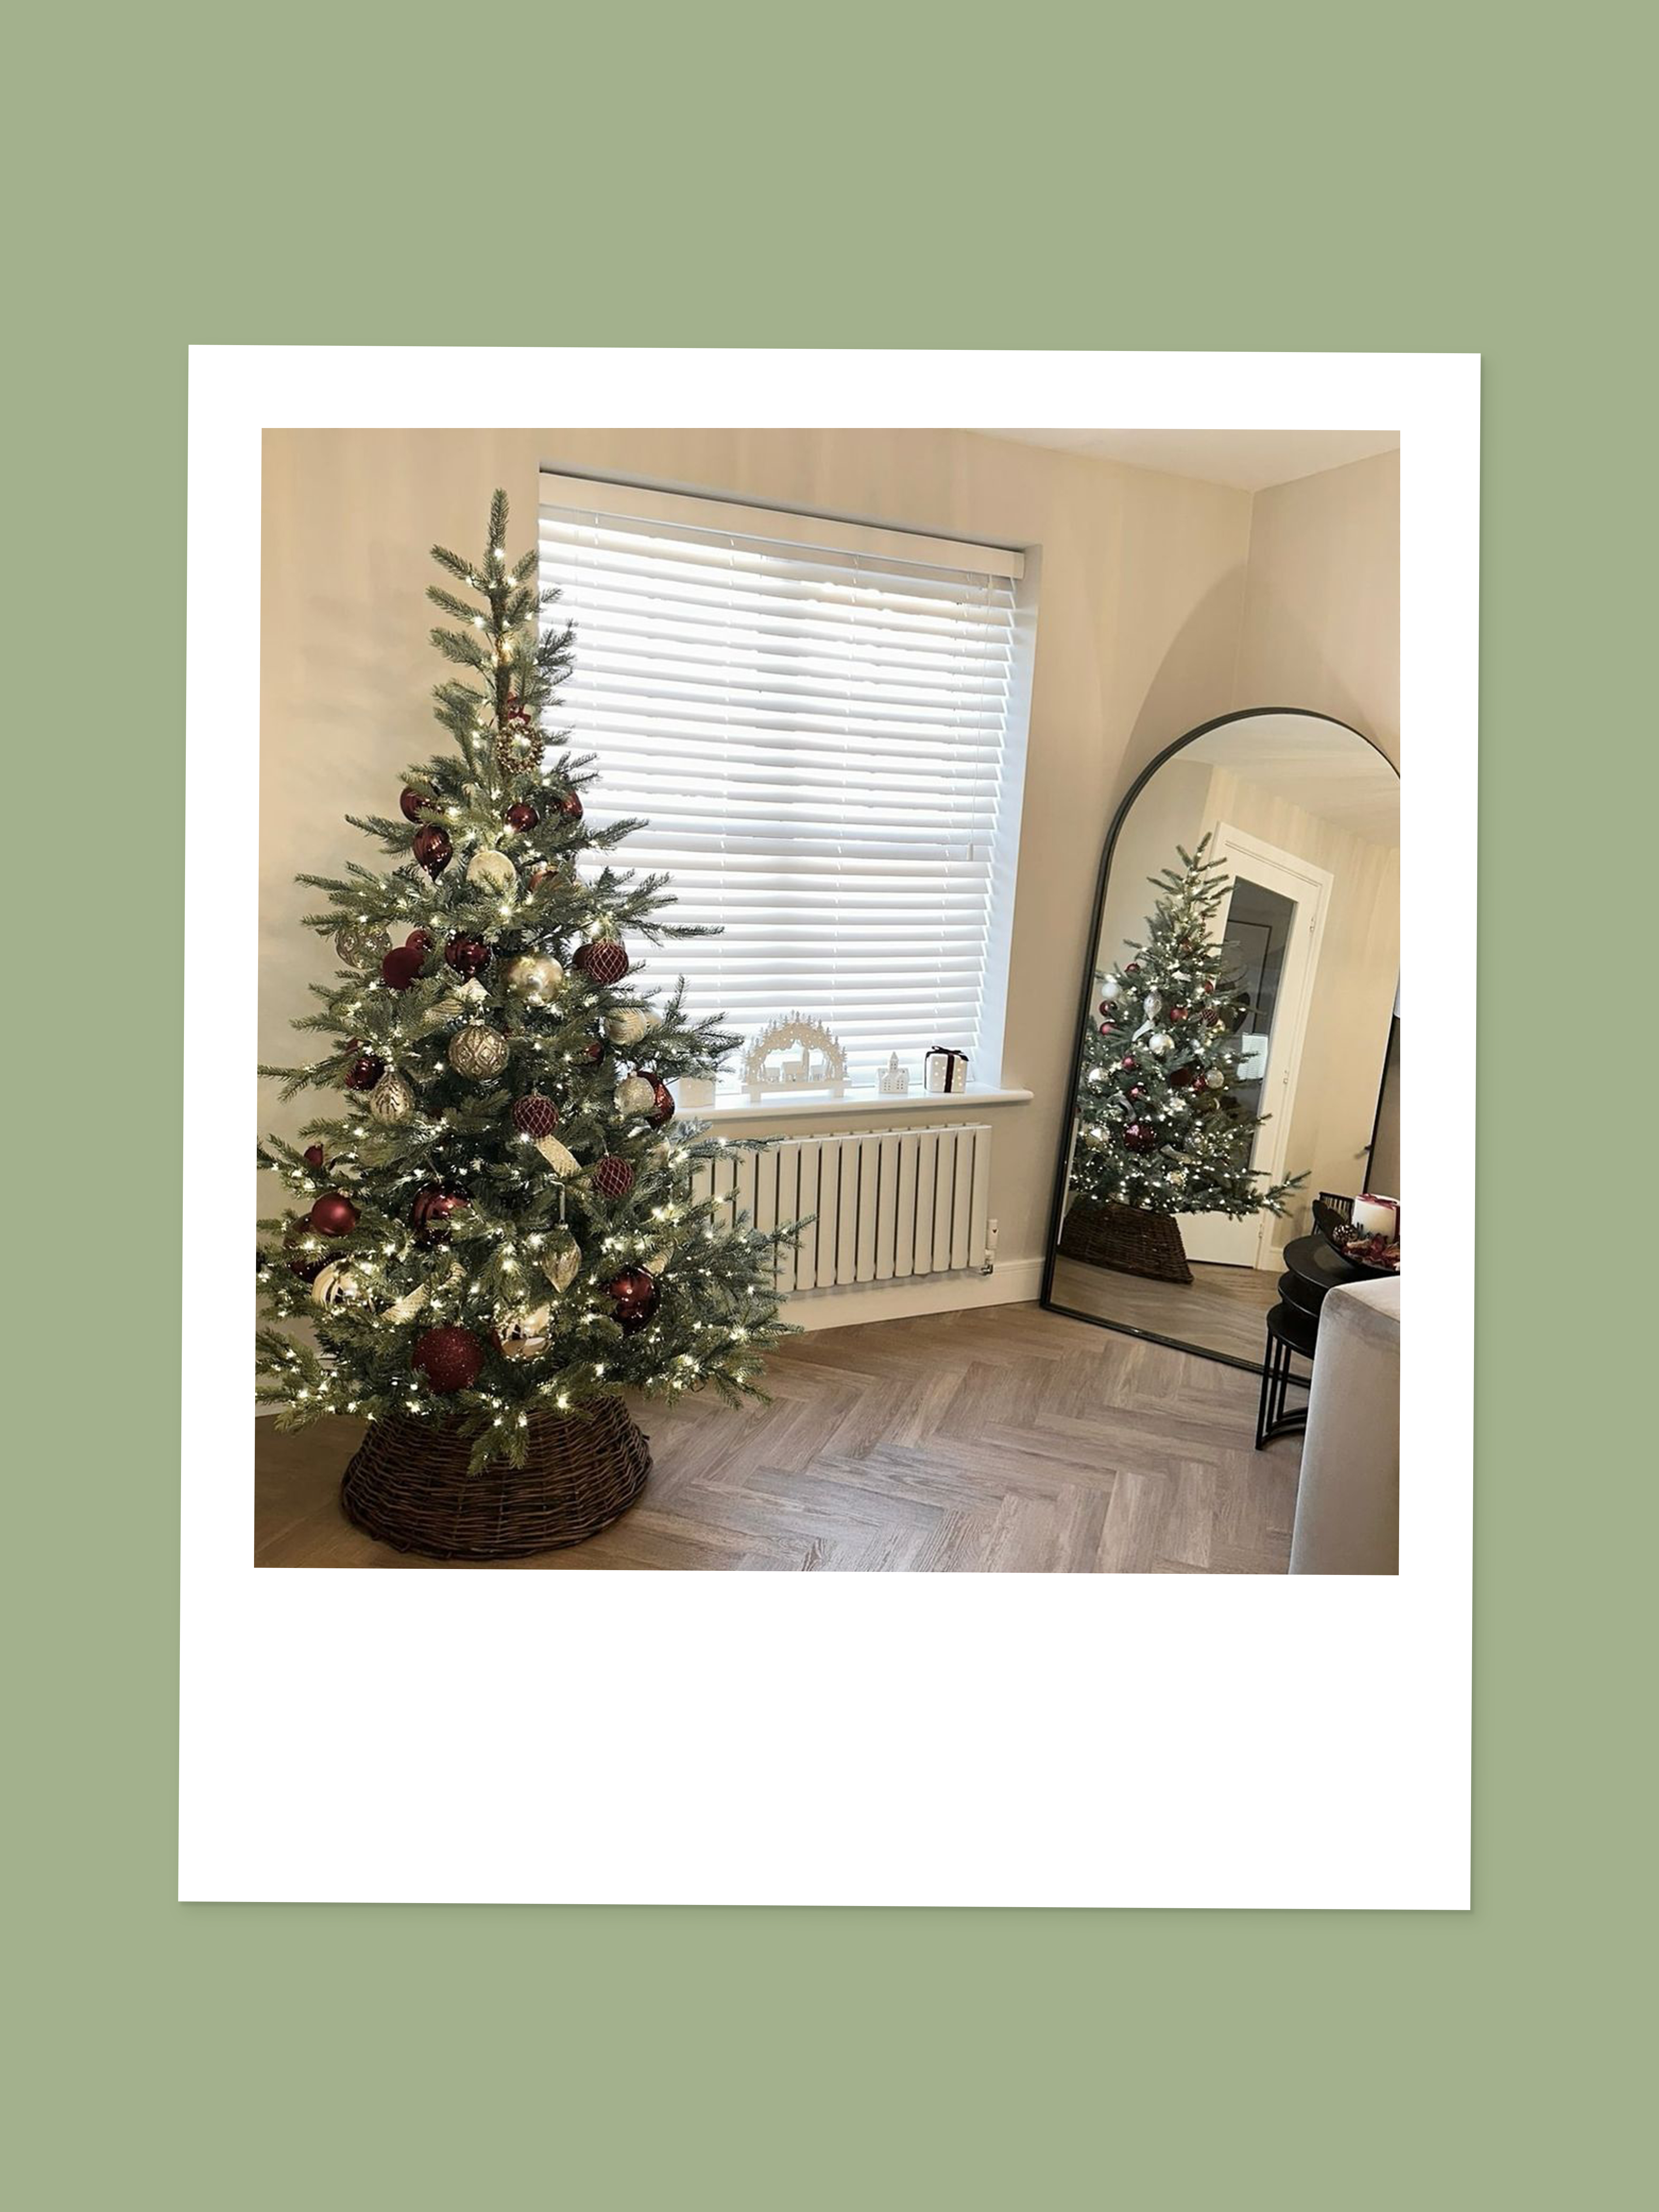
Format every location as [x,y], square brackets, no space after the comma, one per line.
[1238,1056]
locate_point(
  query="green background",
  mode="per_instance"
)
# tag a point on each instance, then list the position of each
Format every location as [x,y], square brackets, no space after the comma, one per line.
[1419,178]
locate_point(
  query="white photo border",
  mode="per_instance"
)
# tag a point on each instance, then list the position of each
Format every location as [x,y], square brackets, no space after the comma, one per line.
[707,1738]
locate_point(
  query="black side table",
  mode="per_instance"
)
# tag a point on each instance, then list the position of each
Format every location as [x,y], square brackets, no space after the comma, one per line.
[1312,1268]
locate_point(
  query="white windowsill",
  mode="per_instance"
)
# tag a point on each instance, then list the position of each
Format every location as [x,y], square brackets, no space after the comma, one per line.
[856,1105]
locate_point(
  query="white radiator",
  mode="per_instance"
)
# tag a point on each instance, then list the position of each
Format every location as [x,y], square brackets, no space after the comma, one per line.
[888,1203]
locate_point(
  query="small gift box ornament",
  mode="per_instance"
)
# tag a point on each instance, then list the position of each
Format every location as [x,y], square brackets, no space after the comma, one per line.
[945,1070]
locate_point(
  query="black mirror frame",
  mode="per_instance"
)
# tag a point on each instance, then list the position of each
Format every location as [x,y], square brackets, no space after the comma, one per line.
[1057,1204]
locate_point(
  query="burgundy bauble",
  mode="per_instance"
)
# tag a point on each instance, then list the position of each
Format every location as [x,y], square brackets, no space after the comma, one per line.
[1139,1136]
[306,1270]
[1135,1091]
[613,1176]
[431,1211]
[662,1107]
[1134,968]
[521,815]
[467,955]
[333,1215]
[364,1072]
[1177,1013]
[401,967]
[432,849]
[418,940]
[1209,986]
[571,806]
[594,1053]
[602,960]
[451,1358]
[414,803]
[1128,1060]
[632,1287]
[534,1115]
[315,1156]
[1183,1078]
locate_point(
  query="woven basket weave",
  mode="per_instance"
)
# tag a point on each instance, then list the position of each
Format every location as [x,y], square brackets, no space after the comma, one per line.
[407,1484]
[1126,1237]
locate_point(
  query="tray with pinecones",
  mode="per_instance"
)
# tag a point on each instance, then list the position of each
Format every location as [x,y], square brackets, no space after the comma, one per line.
[1366,1252]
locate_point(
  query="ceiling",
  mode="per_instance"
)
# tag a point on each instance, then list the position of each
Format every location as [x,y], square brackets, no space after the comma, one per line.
[1249,461]
[1319,766]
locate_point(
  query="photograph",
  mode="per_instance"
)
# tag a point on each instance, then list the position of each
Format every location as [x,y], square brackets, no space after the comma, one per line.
[830,1001]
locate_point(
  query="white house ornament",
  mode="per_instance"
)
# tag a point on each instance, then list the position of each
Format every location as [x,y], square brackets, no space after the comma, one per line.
[477,1051]
[491,871]
[634,1095]
[393,1098]
[810,1058]
[628,1024]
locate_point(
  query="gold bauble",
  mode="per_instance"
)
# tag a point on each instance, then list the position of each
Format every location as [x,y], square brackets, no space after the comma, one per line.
[393,1098]
[491,871]
[628,1024]
[362,945]
[534,975]
[635,1096]
[477,1051]
[562,1262]
[338,1284]
[523,1334]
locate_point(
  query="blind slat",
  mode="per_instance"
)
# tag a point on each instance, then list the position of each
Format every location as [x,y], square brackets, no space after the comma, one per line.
[816,736]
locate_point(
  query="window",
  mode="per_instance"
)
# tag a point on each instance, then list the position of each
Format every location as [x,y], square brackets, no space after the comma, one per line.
[822,725]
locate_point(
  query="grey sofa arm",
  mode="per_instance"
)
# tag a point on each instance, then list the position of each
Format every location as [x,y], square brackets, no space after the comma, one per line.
[1347,1501]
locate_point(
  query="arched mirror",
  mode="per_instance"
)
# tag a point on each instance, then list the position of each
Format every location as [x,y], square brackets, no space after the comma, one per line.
[1237,1053]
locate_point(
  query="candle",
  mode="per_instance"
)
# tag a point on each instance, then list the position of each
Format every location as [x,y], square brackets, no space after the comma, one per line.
[1377,1217]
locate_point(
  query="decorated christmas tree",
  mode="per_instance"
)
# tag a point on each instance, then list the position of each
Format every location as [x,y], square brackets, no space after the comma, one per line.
[494,1227]
[1160,1126]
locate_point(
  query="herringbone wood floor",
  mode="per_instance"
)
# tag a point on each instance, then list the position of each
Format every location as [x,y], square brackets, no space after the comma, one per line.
[1005,1439]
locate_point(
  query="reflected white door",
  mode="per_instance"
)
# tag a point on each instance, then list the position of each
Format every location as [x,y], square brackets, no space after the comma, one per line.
[1273,924]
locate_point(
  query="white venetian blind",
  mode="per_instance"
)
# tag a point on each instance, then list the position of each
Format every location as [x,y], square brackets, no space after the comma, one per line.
[814,717]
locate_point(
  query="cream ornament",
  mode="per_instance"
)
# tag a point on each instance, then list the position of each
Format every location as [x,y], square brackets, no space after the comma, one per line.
[477,1051]
[338,1284]
[362,945]
[492,872]
[534,975]
[562,1262]
[635,1096]
[524,1335]
[1158,1043]
[406,1307]
[628,1024]
[393,1098]
[654,1264]
[1111,988]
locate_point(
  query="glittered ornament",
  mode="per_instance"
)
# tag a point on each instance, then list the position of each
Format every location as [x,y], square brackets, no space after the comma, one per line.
[361,944]
[491,871]
[333,1215]
[413,804]
[467,955]
[365,1072]
[431,1211]
[393,1098]
[602,960]
[534,975]
[450,1358]
[337,1284]
[626,1025]
[432,849]
[477,1052]
[562,1258]
[1215,1079]
[402,966]
[521,815]
[1141,1136]
[613,1177]
[634,1095]
[315,1156]
[534,1115]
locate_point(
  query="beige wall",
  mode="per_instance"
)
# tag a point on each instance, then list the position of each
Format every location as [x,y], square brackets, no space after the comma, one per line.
[1321,599]
[1142,597]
